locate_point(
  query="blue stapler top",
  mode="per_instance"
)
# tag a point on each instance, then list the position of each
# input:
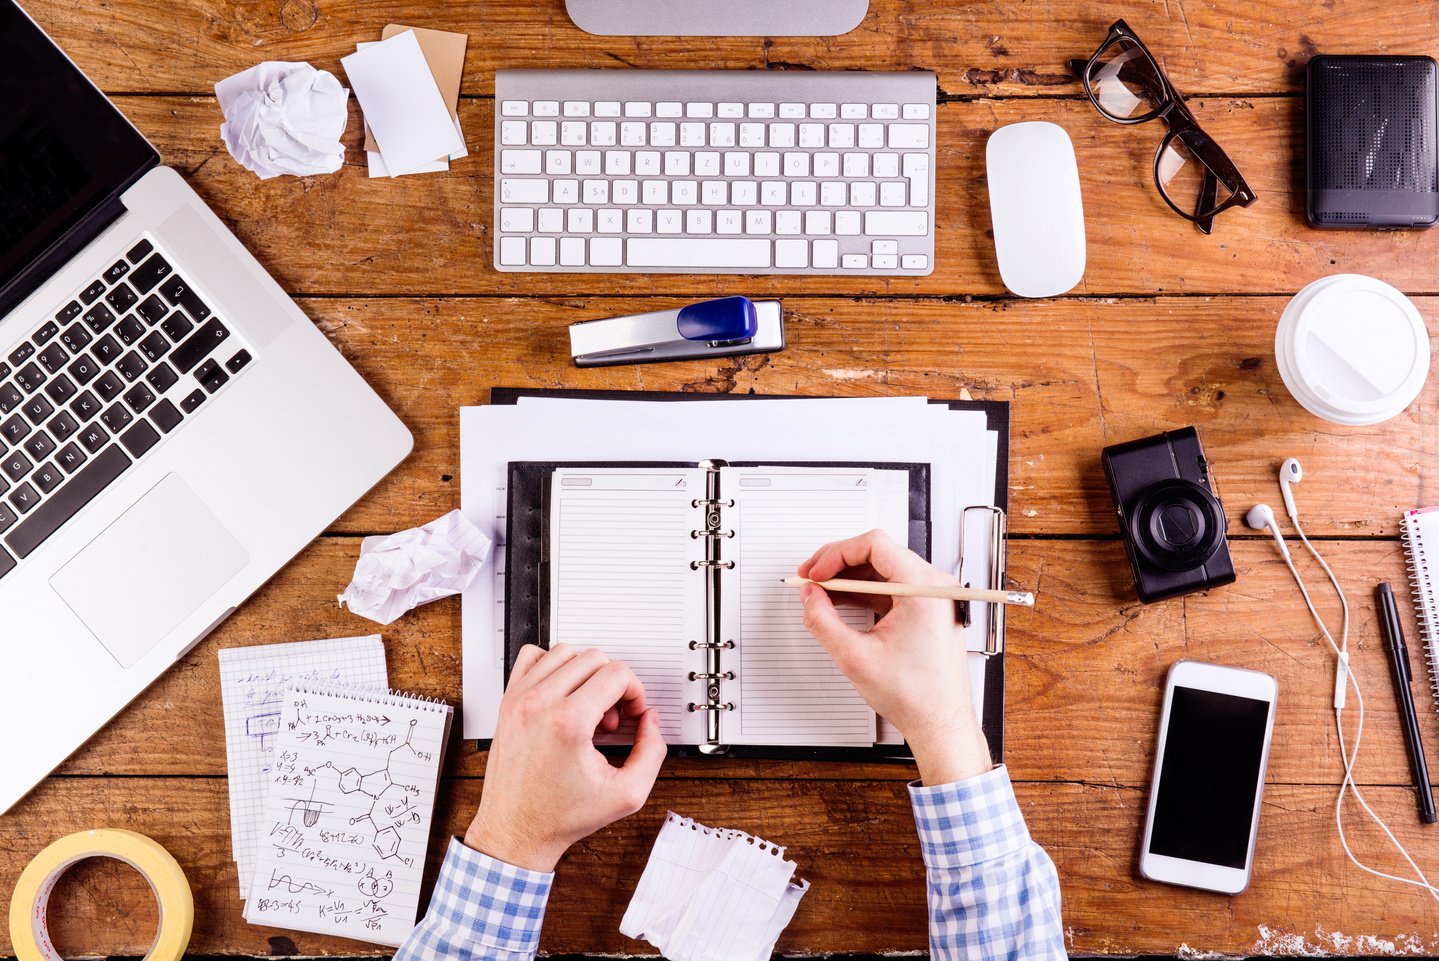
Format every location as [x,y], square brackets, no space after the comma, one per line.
[725,319]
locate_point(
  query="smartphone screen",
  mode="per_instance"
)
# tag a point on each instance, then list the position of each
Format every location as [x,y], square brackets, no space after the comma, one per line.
[1213,753]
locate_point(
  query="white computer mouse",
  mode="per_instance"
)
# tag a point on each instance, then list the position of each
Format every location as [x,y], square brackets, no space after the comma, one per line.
[1035,205]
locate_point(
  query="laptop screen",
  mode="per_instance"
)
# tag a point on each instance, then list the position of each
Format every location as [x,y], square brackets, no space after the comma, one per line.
[64,151]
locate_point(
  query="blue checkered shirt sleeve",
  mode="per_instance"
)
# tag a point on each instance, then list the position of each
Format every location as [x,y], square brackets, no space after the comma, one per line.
[993,892]
[482,910]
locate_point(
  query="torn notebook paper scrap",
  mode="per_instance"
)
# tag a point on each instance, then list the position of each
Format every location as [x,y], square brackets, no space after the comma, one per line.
[398,572]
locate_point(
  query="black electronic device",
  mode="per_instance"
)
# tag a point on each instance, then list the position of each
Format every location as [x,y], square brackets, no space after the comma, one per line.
[1171,519]
[1370,141]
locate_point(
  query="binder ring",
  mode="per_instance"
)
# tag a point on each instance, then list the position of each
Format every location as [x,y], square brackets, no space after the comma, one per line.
[712,502]
[711,533]
[727,706]
[702,676]
[726,565]
[711,645]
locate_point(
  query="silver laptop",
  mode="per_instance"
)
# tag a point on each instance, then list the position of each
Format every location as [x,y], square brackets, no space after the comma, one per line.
[172,428]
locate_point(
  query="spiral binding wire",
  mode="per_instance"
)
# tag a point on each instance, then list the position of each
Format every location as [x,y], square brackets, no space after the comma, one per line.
[384,696]
[1421,581]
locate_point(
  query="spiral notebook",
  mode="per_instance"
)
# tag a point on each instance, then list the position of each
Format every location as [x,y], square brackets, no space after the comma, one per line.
[1421,544]
[347,812]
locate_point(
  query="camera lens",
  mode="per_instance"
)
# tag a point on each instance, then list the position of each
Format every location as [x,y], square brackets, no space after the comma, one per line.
[1177,525]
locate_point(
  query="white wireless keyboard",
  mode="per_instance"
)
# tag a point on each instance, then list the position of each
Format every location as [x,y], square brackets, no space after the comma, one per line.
[720,172]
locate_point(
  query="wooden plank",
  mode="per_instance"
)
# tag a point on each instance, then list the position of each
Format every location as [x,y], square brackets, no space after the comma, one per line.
[1009,48]
[854,842]
[1079,375]
[346,233]
[1088,661]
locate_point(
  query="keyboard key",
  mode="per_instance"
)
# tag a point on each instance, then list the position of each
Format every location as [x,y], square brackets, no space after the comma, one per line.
[131,366]
[521,161]
[105,350]
[93,293]
[192,401]
[62,426]
[512,251]
[516,191]
[16,465]
[139,398]
[38,408]
[698,252]
[7,563]
[914,262]
[4,369]
[98,318]
[176,326]
[60,389]
[916,111]
[896,223]
[237,363]
[138,252]
[10,398]
[65,502]
[29,378]
[94,437]
[121,298]
[115,271]
[47,477]
[54,358]
[109,386]
[46,332]
[83,370]
[150,273]
[211,375]
[152,309]
[825,254]
[903,136]
[885,111]
[24,498]
[7,520]
[85,406]
[179,293]
[155,345]
[117,417]
[76,337]
[546,108]
[71,457]
[162,377]
[166,416]
[129,330]
[21,354]
[514,133]
[39,445]
[514,108]
[791,253]
[140,438]
[69,312]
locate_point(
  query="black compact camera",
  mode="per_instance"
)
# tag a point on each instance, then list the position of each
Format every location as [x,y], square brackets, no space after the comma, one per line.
[1172,522]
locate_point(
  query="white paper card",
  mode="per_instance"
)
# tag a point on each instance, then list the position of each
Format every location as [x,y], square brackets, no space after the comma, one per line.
[402,104]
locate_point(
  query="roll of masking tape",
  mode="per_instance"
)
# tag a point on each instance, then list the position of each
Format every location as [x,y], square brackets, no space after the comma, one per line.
[28,931]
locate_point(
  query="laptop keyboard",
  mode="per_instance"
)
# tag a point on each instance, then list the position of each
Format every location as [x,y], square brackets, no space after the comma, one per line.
[94,389]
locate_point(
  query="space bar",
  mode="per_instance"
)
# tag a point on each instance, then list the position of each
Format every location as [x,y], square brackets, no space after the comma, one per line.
[62,505]
[697,252]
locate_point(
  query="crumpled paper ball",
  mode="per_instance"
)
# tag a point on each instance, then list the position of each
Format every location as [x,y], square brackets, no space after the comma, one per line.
[398,572]
[284,118]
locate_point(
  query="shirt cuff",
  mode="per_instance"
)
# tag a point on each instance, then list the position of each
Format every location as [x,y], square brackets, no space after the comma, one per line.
[487,901]
[969,821]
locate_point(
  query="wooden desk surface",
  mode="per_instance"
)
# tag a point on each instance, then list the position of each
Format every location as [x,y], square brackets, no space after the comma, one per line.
[1169,328]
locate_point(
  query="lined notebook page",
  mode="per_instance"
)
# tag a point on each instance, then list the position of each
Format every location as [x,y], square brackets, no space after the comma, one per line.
[347,814]
[787,689]
[252,682]
[621,581]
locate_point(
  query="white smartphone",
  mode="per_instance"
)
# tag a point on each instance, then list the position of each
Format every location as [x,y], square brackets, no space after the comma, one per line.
[1208,777]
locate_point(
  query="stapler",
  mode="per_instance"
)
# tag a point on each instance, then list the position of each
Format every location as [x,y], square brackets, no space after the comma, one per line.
[712,328]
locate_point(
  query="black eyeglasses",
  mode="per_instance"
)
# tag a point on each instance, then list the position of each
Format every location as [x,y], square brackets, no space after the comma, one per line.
[1126,84]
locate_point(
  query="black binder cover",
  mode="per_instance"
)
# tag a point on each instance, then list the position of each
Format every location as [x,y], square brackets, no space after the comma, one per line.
[525,543]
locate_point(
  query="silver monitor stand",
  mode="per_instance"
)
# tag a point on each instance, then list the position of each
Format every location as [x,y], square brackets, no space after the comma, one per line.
[717,18]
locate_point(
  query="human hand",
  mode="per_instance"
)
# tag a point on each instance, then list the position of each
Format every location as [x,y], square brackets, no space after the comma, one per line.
[546,786]
[911,667]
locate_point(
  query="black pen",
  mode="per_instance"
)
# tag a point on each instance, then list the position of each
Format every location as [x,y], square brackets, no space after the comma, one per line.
[1399,660]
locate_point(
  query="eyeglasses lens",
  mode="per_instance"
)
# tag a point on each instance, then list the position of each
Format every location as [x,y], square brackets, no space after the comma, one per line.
[1181,177]
[1124,81]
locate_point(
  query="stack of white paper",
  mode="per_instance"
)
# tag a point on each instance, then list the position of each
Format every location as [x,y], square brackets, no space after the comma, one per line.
[404,109]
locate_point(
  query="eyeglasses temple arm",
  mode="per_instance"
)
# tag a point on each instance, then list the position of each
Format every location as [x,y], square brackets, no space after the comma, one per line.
[1207,193]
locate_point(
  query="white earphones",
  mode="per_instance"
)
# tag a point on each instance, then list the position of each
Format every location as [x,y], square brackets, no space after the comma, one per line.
[1289,473]
[1261,516]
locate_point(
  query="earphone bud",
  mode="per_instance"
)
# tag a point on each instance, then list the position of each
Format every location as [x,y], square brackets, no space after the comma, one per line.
[1290,473]
[1261,516]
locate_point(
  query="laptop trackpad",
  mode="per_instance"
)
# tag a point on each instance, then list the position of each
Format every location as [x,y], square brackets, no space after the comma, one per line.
[149,570]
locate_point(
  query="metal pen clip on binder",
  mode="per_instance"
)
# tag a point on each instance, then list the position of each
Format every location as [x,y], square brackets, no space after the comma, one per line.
[712,328]
[998,531]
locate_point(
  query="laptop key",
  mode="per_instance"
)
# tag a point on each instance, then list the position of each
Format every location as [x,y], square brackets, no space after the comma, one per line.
[10,398]
[60,389]
[140,438]
[153,309]
[7,563]
[122,298]
[29,378]
[48,330]
[16,465]
[115,271]
[7,519]
[92,293]
[39,445]
[139,397]
[162,377]
[138,252]
[69,312]
[21,354]
[76,337]
[24,498]
[15,429]
[98,318]
[84,370]
[62,425]
[117,417]
[47,477]
[4,369]
[150,273]
[109,386]
[85,406]
[179,293]
[130,329]
[131,366]
[105,350]
[235,364]
[211,375]
[65,502]
[200,343]
[192,401]
[94,437]
[176,326]
[70,457]
[166,416]
[54,357]
[38,408]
